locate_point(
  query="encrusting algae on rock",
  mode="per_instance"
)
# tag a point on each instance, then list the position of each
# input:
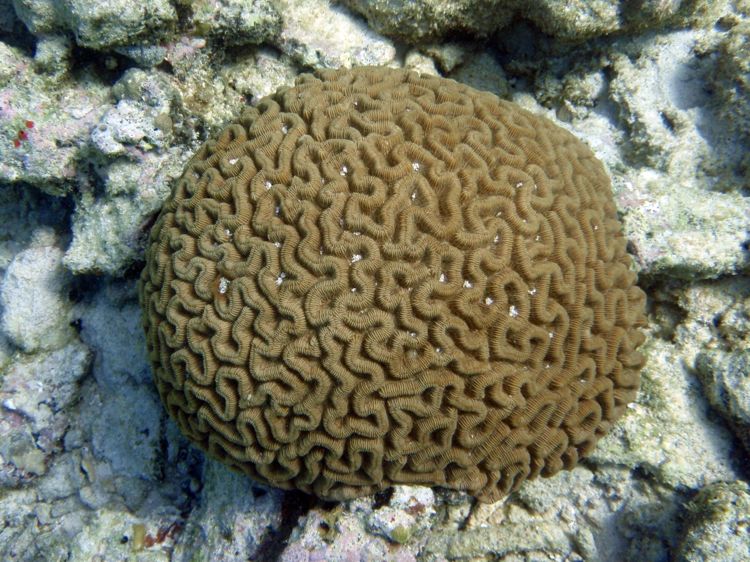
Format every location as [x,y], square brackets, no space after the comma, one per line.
[378,278]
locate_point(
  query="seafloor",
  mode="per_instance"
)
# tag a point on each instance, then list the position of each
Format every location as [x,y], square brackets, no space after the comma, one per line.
[101,103]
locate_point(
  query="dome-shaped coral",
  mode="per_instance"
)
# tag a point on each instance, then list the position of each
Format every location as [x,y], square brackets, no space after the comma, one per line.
[376,277]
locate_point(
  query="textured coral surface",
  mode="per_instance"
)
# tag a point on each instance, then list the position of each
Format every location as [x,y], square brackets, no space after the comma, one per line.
[376,277]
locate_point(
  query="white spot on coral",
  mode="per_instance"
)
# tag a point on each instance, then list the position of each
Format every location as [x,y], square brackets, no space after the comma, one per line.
[532,291]
[438,350]
[519,185]
[228,233]
[496,239]
[267,184]
[467,284]
[277,210]
[233,160]
[284,129]
[596,227]
[356,258]
[280,278]
[537,238]
[223,285]
[413,334]
[488,301]
[413,195]
[512,311]
[551,335]
[415,166]
[344,170]
[442,278]
[277,244]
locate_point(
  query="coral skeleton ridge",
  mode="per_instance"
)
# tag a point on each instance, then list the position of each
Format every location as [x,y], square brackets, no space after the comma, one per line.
[377,278]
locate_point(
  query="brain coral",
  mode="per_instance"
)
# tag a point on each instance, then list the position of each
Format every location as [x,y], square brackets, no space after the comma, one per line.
[379,278]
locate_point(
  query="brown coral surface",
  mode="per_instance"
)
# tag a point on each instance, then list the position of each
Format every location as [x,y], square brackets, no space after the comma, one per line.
[379,278]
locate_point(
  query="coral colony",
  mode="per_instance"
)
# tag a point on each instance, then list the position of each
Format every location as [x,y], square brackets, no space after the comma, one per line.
[379,278]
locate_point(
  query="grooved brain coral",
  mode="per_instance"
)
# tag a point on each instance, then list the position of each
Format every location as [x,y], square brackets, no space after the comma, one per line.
[379,278]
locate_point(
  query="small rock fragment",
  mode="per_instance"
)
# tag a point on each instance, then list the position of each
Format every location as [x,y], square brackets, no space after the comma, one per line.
[319,34]
[237,22]
[717,527]
[35,308]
